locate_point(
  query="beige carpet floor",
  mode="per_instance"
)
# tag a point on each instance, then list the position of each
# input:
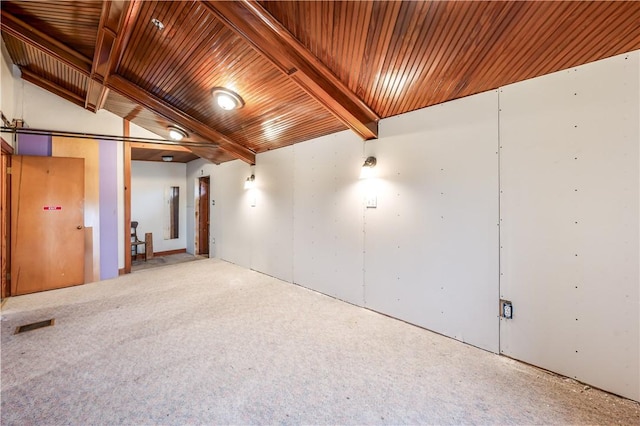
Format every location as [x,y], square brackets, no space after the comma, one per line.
[209,342]
[171,259]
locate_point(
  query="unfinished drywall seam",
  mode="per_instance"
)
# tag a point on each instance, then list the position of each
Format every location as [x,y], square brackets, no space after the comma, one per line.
[364,239]
[499,221]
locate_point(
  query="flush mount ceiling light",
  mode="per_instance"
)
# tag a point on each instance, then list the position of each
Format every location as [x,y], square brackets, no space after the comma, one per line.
[156,23]
[227,99]
[167,158]
[176,133]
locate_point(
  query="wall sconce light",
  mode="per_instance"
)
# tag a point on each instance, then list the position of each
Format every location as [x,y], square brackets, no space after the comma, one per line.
[250,182]
[176,133]
[367,168]
[227,99]
[167,158]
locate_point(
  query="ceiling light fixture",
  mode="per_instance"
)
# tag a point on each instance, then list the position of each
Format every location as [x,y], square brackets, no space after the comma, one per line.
[156,23]
[367,168]
[167,158]
[176,133]
[227,99]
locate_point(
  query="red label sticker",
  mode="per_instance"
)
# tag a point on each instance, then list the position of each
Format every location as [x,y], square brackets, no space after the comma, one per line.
[52,208]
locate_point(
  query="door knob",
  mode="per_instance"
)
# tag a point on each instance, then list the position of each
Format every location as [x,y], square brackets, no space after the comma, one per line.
[79,227]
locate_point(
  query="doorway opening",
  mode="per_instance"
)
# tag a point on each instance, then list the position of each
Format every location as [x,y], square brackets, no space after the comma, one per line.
[202,216]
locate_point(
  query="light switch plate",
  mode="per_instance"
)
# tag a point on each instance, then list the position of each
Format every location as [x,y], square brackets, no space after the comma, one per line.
[371,202]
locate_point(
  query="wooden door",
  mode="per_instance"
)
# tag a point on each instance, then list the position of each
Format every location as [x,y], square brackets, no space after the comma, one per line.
[203,219]
[47,216]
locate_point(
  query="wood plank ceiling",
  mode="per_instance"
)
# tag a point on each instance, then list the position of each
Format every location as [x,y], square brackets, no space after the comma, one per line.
[303,69]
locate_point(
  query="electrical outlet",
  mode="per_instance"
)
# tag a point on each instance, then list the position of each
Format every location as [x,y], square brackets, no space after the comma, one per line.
[371,202]
[507,309]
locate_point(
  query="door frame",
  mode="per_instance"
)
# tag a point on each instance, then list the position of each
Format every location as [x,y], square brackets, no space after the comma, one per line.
[126,147]
[198,216]
[5,219]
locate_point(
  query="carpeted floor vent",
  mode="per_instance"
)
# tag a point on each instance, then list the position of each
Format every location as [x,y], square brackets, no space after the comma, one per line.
[35,326]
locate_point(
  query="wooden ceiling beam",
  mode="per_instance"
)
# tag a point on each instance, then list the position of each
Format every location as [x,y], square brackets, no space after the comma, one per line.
[41,41]
[52,87]
[159,146]
[210,154]
[136,94]
[251,21]
[134,113]
[163,109]
[116,24]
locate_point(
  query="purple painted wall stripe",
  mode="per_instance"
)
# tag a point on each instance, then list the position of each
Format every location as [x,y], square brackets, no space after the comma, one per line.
[34,145]
[108,210]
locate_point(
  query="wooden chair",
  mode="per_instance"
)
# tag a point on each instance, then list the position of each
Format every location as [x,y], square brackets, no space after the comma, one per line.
[135,242]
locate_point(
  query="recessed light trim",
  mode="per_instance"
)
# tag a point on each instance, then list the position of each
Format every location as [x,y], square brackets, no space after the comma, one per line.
[176,133]
[156,23]
[167,158]
[227,99]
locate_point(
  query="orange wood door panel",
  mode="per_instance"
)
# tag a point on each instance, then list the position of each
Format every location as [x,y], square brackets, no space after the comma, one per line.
[47,221]
[89,150]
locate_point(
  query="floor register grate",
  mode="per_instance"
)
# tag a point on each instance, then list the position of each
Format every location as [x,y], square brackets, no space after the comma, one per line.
[35,326]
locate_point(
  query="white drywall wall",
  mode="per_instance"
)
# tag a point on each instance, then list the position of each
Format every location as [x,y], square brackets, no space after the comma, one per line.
[431,245]
[570,222]
[327,216]
[149,181]
[429,252]
[231,224]
[272,224]
[10,102]
[136,131]
[44,110]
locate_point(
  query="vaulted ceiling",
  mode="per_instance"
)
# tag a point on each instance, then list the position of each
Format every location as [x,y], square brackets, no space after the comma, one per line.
[303,69]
